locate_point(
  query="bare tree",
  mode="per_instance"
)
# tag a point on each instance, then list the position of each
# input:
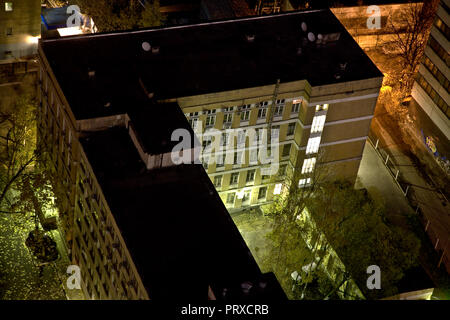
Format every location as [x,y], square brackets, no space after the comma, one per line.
[410,36]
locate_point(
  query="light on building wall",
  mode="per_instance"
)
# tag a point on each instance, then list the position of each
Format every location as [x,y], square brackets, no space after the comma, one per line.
[31,39]
[70,31]
[277,189]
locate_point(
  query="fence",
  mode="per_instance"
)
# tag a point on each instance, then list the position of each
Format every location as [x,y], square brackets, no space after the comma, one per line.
[440,245]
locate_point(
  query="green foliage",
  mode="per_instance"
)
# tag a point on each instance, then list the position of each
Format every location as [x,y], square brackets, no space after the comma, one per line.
[115,15]
[355,226]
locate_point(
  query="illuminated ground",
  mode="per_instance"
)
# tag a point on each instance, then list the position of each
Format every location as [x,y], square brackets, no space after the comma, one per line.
[22,278]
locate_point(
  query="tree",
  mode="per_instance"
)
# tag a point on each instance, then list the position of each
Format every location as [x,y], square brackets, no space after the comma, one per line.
[410,36]
[114,15]
[345,220]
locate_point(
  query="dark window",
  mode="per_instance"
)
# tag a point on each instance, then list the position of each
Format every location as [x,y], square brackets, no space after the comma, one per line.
[262,193]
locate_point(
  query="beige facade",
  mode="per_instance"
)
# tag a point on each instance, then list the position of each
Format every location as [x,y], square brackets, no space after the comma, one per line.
[340,139]
[20,25]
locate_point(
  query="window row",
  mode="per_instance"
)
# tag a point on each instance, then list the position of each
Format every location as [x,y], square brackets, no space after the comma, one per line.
[433,95]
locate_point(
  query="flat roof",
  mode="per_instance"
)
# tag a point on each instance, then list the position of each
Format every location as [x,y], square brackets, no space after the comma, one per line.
[203,58]
[179,233]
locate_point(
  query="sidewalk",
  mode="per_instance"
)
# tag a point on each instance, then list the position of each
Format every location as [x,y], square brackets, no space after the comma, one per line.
[432,204]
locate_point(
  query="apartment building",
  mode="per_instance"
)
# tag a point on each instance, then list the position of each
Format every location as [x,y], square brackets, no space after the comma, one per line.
[430,105]
[131,216]
[299,74]
[20,25]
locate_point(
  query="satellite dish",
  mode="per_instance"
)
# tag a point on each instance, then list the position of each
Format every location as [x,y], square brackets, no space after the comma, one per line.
[304,26]
[311,37]
[146,46]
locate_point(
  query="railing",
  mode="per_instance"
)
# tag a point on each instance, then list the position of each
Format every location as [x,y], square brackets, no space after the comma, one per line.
[440,245]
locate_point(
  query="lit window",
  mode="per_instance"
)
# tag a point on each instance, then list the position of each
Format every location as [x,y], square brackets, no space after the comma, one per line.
[318,123]
[322,107]
[304,182]
[277,189]
[308,165]
[313,145]
[8,6]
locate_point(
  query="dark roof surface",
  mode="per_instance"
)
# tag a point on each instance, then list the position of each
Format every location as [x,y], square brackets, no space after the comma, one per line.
[204,58]
[155,123]
[175,225]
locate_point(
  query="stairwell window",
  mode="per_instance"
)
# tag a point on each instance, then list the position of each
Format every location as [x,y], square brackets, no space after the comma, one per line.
[308,165]
[313,145]
[318,123]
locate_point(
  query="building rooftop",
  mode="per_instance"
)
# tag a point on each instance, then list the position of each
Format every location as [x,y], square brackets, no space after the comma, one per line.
[175,226]
[123,68]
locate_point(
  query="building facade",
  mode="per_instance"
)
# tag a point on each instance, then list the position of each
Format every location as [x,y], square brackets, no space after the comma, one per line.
[20,25]
[430,105]
[108,119]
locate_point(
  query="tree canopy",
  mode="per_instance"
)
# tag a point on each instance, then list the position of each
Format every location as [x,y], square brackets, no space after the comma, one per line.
[114,15]
[350,223]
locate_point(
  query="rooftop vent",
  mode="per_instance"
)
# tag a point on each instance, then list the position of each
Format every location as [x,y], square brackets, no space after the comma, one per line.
[146,46]
[250,37]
